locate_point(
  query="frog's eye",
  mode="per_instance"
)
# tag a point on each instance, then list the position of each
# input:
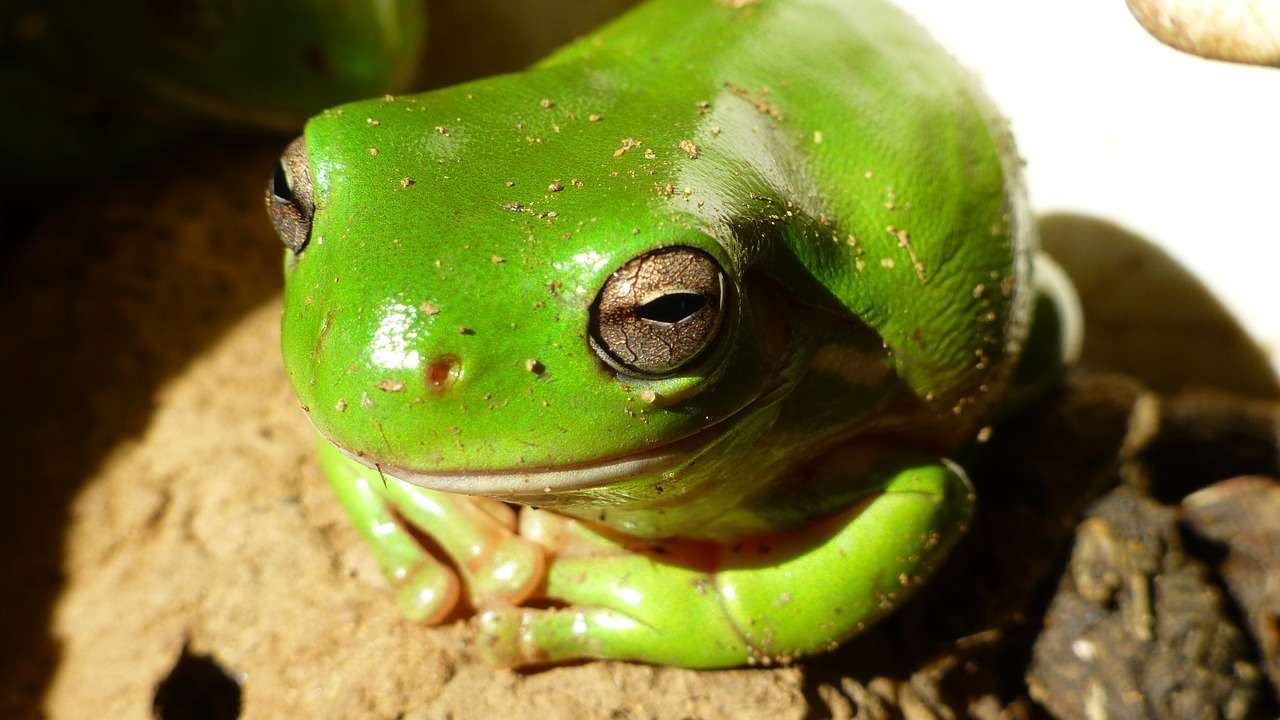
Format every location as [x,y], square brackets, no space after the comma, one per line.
[291,198]
[659,311]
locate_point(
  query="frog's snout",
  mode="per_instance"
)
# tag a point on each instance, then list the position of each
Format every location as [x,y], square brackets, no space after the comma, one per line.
[291,197]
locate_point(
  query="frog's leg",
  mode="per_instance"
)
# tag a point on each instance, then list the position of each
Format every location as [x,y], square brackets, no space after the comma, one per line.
[476,534]
[700,604]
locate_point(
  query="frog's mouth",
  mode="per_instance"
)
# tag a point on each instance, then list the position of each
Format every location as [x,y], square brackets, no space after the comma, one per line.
[525,485]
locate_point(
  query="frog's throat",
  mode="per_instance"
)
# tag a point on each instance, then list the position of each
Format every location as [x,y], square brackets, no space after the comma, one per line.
[525,485]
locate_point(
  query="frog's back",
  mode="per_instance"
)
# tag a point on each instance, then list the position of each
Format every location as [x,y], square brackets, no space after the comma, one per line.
[871,155]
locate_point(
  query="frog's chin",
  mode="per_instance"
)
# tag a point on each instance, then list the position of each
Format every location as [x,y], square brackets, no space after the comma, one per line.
[528,485]
[525,485]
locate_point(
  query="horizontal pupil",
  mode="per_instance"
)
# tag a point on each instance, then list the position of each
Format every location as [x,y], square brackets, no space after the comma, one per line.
[671,308]
[280,183]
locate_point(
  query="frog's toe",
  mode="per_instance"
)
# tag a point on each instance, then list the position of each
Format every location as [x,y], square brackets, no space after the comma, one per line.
[513,637]
[507,573]
[429,593]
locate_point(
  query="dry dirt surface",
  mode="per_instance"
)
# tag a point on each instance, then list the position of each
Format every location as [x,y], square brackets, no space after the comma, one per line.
[170,549]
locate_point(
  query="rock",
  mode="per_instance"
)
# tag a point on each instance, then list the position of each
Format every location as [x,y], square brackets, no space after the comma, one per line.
[1136,629]
[1146,316]
[1241,518]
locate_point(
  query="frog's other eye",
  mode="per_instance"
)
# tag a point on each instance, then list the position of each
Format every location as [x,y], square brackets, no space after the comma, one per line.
[659,311]
[291,197]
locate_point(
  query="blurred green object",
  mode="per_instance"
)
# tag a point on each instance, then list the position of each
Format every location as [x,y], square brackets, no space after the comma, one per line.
[90,86]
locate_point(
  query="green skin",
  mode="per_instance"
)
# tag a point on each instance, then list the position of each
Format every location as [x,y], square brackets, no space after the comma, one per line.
[90,86]
[249,64]
[778,482]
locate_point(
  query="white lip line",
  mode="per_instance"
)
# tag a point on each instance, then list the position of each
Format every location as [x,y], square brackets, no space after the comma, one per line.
[515,482]
[575,477]
[579,476]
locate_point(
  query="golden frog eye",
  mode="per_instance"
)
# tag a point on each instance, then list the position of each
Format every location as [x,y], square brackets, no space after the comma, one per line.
[291,197]
[659,311]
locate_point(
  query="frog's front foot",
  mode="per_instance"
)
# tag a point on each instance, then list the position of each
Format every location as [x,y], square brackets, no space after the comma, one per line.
[703,605]
[476,536]
[557,589]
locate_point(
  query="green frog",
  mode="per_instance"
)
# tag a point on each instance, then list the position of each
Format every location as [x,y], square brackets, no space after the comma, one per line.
[93,87]
[662,349]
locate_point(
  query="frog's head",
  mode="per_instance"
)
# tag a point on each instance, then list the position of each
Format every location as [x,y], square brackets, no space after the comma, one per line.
[490,294]
[517,326]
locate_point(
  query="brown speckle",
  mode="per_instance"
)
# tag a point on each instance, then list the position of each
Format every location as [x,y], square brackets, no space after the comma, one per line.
[595,117]
[546,103]
[390,385]
[627,144]
[555,187]
[496,259]
[405,182]
[904,242]
[689,149]
[760,104]
[429,309]
[533,366]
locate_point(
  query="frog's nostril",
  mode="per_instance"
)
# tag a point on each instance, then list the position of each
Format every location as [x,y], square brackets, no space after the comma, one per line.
[442,372]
